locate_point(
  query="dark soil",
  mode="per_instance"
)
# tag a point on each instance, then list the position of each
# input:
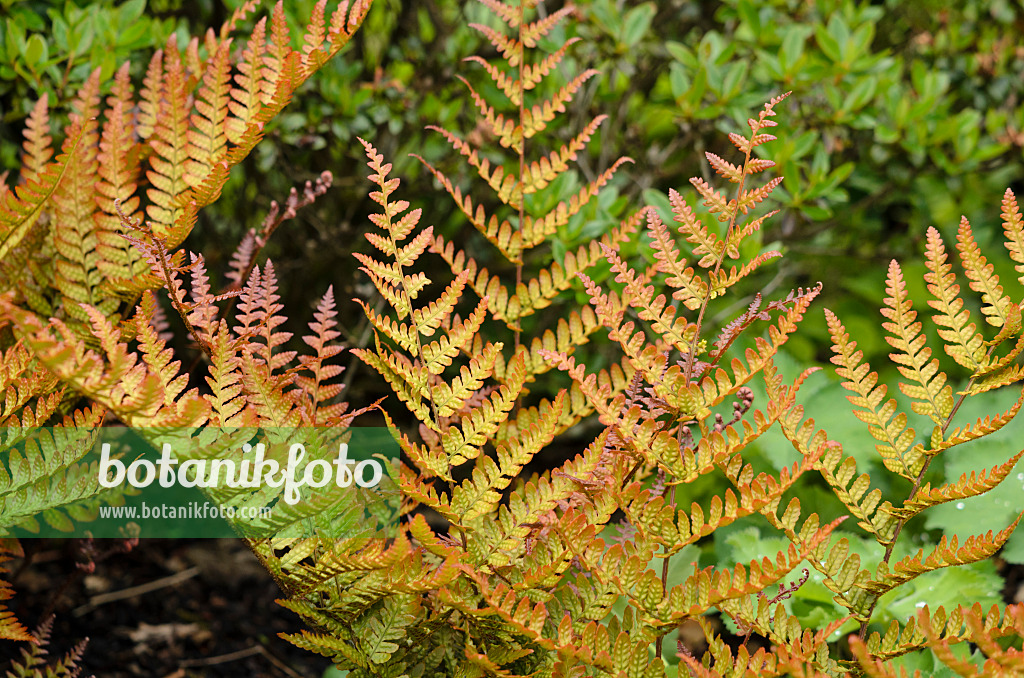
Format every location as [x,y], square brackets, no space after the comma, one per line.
[215,616]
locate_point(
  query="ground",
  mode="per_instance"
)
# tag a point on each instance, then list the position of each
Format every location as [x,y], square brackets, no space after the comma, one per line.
[209,611]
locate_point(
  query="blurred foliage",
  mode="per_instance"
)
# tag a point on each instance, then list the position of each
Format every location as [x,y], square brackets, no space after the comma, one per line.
[51,47]
[905,115]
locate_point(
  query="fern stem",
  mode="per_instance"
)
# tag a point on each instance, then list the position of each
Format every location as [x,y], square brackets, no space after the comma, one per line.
[161,248]
[718,264]
[522,162]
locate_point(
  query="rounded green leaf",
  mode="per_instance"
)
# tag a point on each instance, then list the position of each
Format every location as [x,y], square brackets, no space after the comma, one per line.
[36,51]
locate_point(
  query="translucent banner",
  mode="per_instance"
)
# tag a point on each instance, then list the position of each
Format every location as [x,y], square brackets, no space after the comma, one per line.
[202,482]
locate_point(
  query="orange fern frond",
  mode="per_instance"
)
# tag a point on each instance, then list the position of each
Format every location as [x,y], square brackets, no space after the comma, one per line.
[946,553]
[895,438]
[169,140]
[118,176]
[246,98]
[207,136]
[962,340]
[1013,229]
[965,487]
[319,387]
[10,627]
[932,396]
[38,146]
[20,207]
[258,319]
[983,279]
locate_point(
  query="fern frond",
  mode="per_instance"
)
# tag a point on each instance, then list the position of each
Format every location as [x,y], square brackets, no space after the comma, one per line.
[945,554]
[275,67]
[20,207]
[150,95]
[713,588]
[156,355]
[313,54]
[980,429]
[258,319]
[536,293]
[962,340]
[537,117]
[10,627]
[117,380]
[478,496]
[895,438]
[932,396]
[536,230]
[47,480]
[207,135]
[118,175]
[437,355]
[640,294]
[1013,229]
[983,279]
[21,381]
[228,405]
[965,487]
[75,230]
[318,388]
[38,146]
[169,139]
[983,630]
[246,98]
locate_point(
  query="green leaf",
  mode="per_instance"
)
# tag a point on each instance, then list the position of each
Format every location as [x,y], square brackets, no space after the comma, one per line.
[637,22]
[80,38]
[15,35]
[749,15]
[734,79]
[792,48]
[678,80]
[861,93]
[130,12]
[36,51]
[135,36]
[681,53]
[827,42]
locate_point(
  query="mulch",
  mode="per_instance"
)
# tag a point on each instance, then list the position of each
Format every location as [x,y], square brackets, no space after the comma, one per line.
[166,609]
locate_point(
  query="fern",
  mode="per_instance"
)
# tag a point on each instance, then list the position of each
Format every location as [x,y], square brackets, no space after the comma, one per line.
[10,627]
[516,230]
[33,662]
[467,561]
[88,238]
[934,398]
